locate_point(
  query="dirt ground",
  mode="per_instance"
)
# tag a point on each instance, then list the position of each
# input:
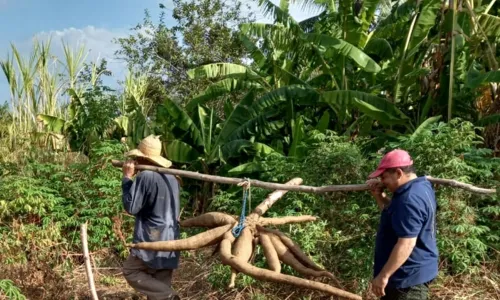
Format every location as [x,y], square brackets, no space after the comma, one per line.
[38,281]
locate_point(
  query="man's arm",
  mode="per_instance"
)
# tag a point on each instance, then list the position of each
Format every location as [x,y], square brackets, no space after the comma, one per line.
[382,200]
[399,255]
[377,192]
[133,193]
[407,220]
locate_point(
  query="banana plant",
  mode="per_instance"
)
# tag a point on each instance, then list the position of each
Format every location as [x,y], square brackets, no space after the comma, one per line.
[135,108]
[199,139]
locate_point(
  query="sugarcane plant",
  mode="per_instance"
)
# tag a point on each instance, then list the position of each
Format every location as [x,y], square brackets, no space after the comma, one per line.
[237,238]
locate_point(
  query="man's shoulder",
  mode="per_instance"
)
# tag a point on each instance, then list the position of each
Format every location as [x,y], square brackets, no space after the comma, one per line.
[146,174]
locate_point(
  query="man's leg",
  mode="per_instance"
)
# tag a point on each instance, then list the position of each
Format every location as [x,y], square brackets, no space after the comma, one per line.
[418,292]
[165,276]
[141,278]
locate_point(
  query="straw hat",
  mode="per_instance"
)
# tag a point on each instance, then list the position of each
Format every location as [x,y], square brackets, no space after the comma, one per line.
[150,149]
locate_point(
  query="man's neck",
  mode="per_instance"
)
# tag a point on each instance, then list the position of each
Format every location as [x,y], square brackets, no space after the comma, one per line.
[408,178]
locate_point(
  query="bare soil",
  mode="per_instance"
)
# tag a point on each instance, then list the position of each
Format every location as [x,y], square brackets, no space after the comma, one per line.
[39,281]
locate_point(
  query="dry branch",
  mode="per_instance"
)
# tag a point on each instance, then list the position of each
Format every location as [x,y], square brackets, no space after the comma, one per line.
[86,257]
[303,188]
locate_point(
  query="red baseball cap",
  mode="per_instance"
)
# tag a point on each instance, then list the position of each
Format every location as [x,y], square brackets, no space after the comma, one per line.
[394,159]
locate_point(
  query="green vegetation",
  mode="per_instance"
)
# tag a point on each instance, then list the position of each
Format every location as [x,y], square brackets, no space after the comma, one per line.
[320,99]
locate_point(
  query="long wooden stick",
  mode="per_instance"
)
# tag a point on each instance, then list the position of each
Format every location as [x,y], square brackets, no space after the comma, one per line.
[300,188]
[86,257]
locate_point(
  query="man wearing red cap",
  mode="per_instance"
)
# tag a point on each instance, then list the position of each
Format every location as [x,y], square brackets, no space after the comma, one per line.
[406,254]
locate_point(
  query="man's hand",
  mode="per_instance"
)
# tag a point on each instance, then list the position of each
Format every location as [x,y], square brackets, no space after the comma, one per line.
[129,169]
[377,190]
[379,284]
[376,187]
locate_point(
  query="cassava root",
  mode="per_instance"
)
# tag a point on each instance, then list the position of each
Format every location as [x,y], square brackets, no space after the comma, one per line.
[195,242]
[210,220]
[244,246]
[293,247]
[287,257]
[243,250]
[267,275]
[286,220]
[270,253]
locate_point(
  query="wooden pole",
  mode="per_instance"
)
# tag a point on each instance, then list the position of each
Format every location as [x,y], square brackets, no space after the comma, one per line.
[86,257]
[300,188]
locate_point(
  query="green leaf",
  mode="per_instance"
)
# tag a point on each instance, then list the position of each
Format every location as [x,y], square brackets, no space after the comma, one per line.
[379,47]
[263,150]
[279,15]
[239,116]
[345,49]
[251,167]
[235,148]
[490,24]
[425,125]
[381,107]
[221,69]
[181,152]
[52,124]
[489,120]
[426,20]
[220,88]
[398,20]
[205,121]
[298,133]
[228,108]
[377,114]
[323,122]
[255,52]
[179,123]
[476,79]
[294,93]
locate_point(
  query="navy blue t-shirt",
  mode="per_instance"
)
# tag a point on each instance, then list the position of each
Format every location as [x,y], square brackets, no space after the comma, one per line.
[411,213]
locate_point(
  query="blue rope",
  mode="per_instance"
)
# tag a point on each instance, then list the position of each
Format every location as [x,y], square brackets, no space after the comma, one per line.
[241,225]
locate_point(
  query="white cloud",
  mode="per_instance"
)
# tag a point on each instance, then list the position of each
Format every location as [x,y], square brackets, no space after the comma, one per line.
[98,43]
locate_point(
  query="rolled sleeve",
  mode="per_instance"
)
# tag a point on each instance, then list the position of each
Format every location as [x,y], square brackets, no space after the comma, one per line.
[408,218]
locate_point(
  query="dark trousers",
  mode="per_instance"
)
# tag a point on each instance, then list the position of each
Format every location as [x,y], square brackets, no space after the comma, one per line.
[155,284]
[417,292]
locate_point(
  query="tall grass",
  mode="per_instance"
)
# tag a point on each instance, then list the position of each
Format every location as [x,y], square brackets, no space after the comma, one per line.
[39,83]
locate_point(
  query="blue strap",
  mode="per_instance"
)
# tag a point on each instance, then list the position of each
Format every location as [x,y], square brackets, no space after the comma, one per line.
[241,225]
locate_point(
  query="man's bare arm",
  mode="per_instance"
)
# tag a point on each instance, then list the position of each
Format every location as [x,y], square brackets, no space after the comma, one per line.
[399,255]
[382,200]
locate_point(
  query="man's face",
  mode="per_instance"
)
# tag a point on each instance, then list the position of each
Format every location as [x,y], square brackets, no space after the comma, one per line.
[391,179]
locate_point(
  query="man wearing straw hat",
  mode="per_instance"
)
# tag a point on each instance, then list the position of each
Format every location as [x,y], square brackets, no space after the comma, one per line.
[153,198]
[406,254]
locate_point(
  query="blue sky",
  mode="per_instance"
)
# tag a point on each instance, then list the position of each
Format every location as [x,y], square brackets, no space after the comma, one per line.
[92,22]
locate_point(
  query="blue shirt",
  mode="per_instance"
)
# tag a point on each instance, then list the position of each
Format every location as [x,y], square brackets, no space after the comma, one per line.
[153,199]
[411,213]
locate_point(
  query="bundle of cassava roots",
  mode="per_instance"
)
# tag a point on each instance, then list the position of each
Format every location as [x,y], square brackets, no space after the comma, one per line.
[237,252]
